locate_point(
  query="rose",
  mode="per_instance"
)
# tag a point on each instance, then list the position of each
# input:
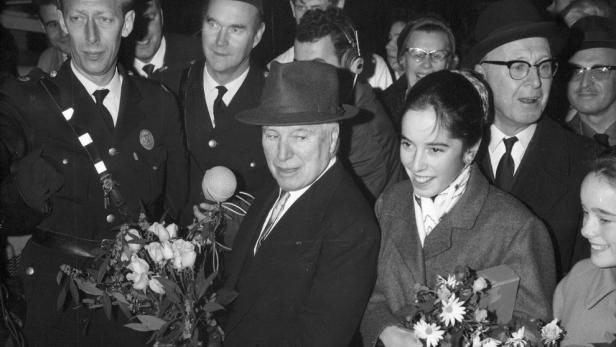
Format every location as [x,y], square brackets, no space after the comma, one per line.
[133,238]
[138,265]
[156,287]
[155,250]
[480,284]
[167,250]
[184,254]
[551,332]
[443,293]
[164,234]
[140,280]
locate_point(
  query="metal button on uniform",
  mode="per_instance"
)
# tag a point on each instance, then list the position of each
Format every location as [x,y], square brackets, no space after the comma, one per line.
[113,151]
[154,168]
[64,161]
[212,143]
[110,218]
[29,271]
[252,164]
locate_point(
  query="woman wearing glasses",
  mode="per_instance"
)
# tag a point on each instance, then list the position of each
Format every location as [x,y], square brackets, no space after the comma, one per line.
[426,45]
[447,214]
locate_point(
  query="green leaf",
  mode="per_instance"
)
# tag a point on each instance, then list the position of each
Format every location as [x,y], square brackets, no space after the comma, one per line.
[153,323]
[120,297]
[124,308]
[213,306]
[225,296]
[74,292]
[59,277]
[106,305]
[137,327]
[102,271]
[171,289]
[88,287]
[62,295]
[202,284]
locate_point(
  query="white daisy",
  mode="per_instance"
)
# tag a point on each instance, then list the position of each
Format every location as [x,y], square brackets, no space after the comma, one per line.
[453,311]
[430,332]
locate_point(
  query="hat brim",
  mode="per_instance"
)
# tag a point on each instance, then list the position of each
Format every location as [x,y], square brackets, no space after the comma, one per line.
[260,116]
[549,30]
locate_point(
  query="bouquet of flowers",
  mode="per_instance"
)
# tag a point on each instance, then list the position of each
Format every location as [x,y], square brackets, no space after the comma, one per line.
[162,278]
[452,314]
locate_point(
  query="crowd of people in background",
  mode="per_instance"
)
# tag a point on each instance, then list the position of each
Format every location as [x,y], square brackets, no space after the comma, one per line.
[371,174]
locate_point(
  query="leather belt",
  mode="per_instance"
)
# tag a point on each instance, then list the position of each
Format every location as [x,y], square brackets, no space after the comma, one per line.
[65,243]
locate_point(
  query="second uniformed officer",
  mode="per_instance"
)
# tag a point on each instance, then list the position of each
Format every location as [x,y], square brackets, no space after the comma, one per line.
[218,88]
[116,142]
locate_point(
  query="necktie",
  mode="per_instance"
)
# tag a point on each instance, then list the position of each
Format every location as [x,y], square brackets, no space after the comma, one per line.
[506,166]
[219,106]
[603,139]
[100,95]
[276,212]
[148,69]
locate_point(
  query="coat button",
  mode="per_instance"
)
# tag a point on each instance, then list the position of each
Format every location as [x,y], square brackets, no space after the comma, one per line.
[113,151]
[252,164]
[64,161]
[212,143]
[29,271]
[110,218]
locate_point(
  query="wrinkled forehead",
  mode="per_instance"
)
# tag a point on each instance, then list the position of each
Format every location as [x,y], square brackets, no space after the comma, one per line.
[114,6]
[594,56]
[531,49]
[312,4]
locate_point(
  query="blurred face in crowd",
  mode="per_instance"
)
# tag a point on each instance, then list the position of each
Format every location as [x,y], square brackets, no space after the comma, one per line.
[96,28]
[419,64]
[598,196]
[299,7]
[50,19]
[148,46]
[231,29]
[593,93]
[517,103]
[431,156]
[392,46]
[297,155]
[322,50]
[557,6]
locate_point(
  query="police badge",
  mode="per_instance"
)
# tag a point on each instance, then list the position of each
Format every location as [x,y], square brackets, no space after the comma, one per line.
[146,139]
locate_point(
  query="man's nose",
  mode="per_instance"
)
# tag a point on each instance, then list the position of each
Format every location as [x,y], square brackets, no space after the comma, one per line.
[92,32]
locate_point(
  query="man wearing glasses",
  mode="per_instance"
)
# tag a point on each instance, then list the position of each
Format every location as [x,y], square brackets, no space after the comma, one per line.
[592,85]
[527,154]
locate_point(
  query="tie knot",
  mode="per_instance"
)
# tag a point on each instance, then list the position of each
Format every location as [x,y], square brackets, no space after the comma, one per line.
[100,95]
[221,91]
[509,143]
[148,68]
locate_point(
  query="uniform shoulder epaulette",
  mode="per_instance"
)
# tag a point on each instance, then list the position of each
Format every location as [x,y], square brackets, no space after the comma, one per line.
[36,74]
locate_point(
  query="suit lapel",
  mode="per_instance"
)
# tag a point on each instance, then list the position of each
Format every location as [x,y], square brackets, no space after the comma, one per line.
[130,115]
[196,116]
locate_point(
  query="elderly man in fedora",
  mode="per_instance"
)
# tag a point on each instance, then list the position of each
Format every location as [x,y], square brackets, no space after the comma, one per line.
[527,154]
[304,259]
[592,83]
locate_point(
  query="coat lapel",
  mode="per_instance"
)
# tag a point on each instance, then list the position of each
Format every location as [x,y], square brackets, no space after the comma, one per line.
[197,121]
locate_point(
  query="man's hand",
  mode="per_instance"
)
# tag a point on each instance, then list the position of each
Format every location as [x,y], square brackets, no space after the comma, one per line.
[394,336]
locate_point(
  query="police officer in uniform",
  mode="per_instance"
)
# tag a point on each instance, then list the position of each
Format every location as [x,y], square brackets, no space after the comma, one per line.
[98,147]
[218,88]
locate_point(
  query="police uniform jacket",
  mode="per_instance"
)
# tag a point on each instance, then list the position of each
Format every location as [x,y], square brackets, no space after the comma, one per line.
[231,143]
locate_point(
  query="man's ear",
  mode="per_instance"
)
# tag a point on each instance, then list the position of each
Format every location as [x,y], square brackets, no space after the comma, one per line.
[61,21]
[258,35]
[334,136]
[129,20]
[453,63]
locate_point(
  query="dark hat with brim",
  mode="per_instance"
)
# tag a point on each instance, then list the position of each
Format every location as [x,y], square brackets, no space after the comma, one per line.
[592,32]
[510,20]
[299,93]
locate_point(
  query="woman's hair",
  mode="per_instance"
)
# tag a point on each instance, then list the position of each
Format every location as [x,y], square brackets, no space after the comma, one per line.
[461,101]
[427,23]
[605,165]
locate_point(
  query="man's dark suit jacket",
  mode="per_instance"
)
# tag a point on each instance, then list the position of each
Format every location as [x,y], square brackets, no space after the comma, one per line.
[310,280]
[144,152]
[231,143]
[548,181]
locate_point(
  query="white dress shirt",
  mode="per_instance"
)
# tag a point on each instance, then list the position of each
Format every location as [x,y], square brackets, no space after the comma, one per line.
[497,146]
[211,93]
[158,60]
[112,100]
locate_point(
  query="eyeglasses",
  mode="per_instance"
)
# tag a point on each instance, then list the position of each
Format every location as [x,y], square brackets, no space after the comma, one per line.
[518,69]
[419,55]
[597,72]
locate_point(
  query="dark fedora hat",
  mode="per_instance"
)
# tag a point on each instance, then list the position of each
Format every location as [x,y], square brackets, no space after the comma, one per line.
[505,21]
[299,93]
[592,32]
